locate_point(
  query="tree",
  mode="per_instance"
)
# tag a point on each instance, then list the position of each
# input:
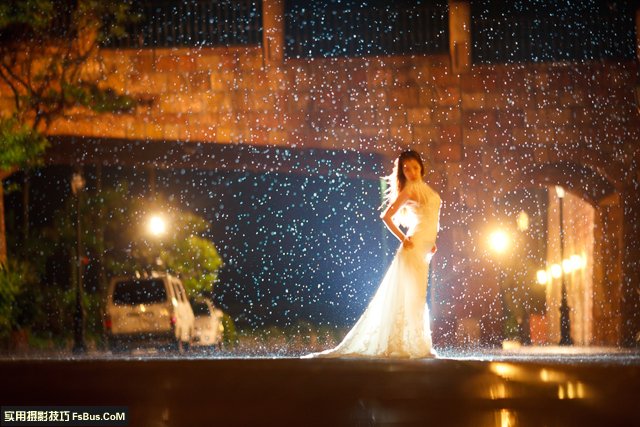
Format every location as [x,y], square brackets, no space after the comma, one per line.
[13,277]
[183,250]
[50,65]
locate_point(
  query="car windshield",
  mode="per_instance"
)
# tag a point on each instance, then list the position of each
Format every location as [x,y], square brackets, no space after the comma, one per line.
[200,309]
[144,291]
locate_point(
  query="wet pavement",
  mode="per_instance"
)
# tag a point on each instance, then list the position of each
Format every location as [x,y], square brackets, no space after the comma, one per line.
[533,387]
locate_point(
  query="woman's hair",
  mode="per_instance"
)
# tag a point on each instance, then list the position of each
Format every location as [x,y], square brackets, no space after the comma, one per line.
[396,181]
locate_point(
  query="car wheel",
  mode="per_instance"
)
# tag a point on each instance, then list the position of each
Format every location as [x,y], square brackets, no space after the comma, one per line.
[176,346]
[117,347]
[188,346]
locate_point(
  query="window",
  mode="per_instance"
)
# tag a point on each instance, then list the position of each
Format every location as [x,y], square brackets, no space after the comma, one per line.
[144,291]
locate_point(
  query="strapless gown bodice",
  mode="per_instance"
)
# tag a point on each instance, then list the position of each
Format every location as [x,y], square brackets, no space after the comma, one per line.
[422,216]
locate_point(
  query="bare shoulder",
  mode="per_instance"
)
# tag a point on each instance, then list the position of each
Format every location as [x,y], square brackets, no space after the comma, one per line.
[407,193]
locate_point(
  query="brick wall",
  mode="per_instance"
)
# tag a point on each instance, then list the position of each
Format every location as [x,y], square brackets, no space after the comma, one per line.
[226,95]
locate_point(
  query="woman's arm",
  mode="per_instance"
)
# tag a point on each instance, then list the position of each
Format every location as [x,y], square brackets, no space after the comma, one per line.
[390,211]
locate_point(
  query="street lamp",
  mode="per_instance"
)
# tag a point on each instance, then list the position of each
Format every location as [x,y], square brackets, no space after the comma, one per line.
[499,241]
[157,226]
[522,221]
[565,320]
[542,277]
[79,346]
[577,262]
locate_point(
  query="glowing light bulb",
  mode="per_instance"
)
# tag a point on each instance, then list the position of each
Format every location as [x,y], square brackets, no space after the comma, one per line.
[499,241]
[523,221]
[576,262]
[543,277]
[157,225]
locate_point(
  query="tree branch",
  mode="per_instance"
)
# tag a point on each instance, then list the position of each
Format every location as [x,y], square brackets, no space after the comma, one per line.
[8,70]
[16,94]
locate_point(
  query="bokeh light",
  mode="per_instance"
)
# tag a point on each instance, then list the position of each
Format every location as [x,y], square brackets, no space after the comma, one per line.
[499,241]
[157,226]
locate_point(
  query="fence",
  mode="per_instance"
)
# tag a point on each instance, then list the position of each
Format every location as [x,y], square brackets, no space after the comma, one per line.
[193,23]
[327,28]
[548,35]
[363,28]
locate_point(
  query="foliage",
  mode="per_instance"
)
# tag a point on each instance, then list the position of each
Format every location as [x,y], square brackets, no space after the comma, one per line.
[511,327]
[14,279]
[36,14]
[19,144]
[230,337]
[99,100]
[196,261]
[49,60]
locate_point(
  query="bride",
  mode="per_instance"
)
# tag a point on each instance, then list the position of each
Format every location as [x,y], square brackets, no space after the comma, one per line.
[396,322]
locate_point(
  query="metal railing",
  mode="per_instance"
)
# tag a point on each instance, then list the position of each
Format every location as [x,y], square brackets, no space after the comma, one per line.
[363,28]
[193,23]
[547,36]
[327,28]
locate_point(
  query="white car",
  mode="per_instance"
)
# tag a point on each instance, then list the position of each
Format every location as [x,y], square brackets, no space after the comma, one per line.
[148,312]
[208,324]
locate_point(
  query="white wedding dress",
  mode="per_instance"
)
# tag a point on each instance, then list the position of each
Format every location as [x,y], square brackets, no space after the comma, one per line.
[396,322]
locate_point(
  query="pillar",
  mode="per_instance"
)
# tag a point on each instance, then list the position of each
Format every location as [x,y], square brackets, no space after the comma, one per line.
[630,295]
[460,35]
[273,32]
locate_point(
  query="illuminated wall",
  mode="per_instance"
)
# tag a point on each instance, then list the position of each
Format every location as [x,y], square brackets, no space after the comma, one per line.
[579,231]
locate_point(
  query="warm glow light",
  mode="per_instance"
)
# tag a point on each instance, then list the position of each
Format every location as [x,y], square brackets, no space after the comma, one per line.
[556,271]
[507,418]
[571,391]
[77,183]
[543,277]
[567,265]
[505,370]
[157,225]
[498,391]
[559,191]
[549,375]
[576,262]
[580,390]
[499,241]
[561,394]
[523,221]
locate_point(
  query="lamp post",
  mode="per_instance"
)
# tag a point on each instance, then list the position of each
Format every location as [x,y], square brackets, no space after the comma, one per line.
[565,320]
[79,346]
[499,243]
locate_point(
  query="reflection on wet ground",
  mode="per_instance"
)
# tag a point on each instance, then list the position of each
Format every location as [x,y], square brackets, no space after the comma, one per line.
[536,387]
